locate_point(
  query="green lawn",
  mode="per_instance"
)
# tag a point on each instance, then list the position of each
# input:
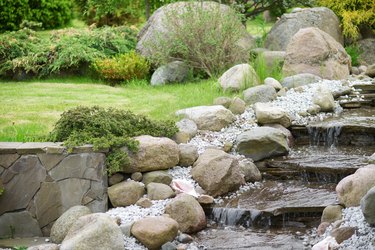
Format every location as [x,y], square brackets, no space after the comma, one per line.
[28,110]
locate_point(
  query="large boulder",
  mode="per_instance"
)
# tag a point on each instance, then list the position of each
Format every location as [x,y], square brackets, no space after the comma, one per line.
[156,26]
[352,188]
[289,24]
[125,193]
[159,191]
[94,231]
[266,113]
[367,47]
[261,93]
[212,118]
[153,232]
[63,224]
[217,172]
[298,80]
[174,72]
[187,211]
[262,142]
[312,50]
[154,153]
[368,205]
[324,99]
[239,77]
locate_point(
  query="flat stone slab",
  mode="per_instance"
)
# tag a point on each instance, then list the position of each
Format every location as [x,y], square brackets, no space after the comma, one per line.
[35,147]
[9,147]
[247,239]
[27,242]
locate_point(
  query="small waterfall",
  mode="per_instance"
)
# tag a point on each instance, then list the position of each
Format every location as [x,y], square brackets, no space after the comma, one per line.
[239,217]
[327,135]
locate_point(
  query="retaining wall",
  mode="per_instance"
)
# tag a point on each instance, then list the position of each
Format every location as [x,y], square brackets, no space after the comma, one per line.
[43,180]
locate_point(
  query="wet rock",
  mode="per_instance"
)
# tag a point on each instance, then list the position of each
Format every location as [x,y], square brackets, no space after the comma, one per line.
[125,193]
[19,224]
[237,106]
[217,172]
[250,171]
[189,214]
[342,233]
[137,176]
[222,100]
[299,80]
[261,93]
[368,205]
[311,50]
[173,72]
[155,153]
[352,188]
[115,178]
[159,191]
[63,224]
[262,142]
[324,99]
[205,199]
[269,81]
[93,230]
[144,202]
[239,77]
[153,232]
[212,118]
[332,213]
[267,114]
[290,23]
[188,154]
[157,177]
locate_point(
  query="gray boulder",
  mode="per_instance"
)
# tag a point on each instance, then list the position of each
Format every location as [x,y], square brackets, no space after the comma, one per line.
[267,114]
[154,153]
[367,46]
[187,126]
[324,99]
[311,50]
[222,100]
[217,172]
[159,191]
[174,72]
[332,213]
[160,176]
[212,118]
[370,71]
[94,231]
[239,77]
[289,24]
[125,193]
[368,205]
[187,211]
[352,188]
[188,154]
[237,106]
[262,142]
[298,80]
[63,224]
[269,81]
[250,171]
[153,232]
[261,93]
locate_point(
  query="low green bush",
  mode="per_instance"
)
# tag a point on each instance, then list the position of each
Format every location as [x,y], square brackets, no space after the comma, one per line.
[354,52]
[64,51]
[107,128]
[123,67]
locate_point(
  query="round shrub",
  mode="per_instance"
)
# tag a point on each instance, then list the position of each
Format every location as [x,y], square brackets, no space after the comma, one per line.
[123,67]
[12,13]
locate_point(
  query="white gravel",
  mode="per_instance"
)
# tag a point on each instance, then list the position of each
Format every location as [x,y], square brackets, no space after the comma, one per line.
[294,102]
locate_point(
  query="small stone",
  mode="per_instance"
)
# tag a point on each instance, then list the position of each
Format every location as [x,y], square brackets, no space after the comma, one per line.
[168,246]
[332,213]
[144,202]
[342,233]
[137,176]
[227,146]
[184,238]
[115,178]
[181,247]
[322,228]
[126,228]
[237,106]
[205,199]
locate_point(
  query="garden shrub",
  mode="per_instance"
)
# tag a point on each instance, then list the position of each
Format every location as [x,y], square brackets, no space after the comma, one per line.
[122,67]
[65,51]
[50,13]
[107,128]
[354,52]
[203,37]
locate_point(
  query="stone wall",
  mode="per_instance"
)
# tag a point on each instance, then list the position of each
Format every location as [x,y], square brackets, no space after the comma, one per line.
[42,181]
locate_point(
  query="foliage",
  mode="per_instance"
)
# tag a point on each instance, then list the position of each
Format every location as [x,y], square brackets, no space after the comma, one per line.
[204,37]
[50,13]
[107,128]
[122,67]
[354,52]
[263,70]
[68,50]
[353,14]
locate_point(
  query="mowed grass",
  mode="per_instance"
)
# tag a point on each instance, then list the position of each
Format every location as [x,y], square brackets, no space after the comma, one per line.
[28,110]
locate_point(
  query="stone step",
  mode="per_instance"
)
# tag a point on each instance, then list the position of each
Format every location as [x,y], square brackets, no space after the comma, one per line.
[365,88]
